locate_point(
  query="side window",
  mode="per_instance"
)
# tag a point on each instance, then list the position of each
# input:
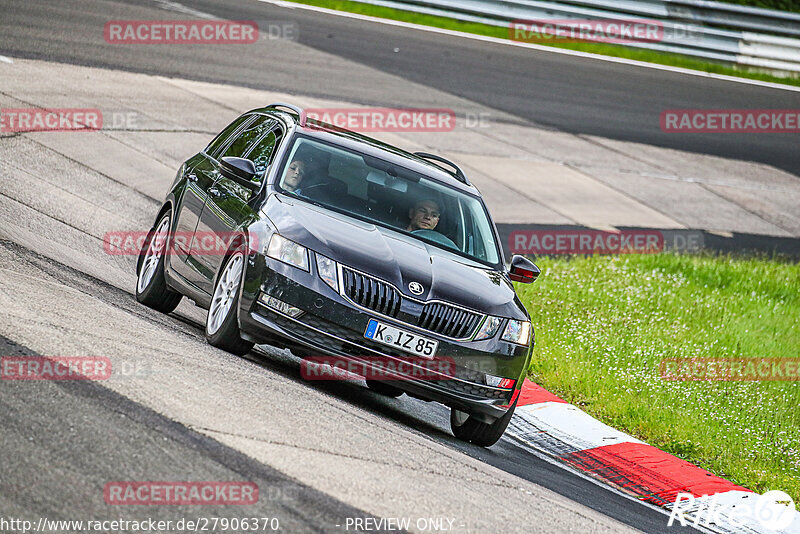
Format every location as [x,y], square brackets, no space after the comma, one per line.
[215,145]
[248,136]
[264,150]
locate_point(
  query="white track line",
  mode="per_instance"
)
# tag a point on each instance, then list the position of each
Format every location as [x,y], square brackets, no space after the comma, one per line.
[542,48]
[5,59]
[180,8]
[571,425]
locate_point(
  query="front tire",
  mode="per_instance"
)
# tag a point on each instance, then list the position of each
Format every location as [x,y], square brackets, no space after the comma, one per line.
[467,428]
[151,284]
[222,326]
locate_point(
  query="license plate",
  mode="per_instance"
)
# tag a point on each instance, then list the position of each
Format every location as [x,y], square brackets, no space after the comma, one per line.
[400,339]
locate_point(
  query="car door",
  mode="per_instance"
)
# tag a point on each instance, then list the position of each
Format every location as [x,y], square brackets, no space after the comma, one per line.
[199,178]
[228,204]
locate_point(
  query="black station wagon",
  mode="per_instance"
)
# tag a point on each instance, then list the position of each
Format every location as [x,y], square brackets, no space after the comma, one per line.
[337,245]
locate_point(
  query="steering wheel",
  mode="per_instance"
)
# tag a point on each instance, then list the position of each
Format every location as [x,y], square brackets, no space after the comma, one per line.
[435,236]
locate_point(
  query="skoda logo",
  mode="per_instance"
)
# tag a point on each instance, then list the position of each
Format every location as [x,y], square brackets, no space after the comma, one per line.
[416,288]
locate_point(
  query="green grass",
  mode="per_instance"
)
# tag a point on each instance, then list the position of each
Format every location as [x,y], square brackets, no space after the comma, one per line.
[604,323]
[674,60]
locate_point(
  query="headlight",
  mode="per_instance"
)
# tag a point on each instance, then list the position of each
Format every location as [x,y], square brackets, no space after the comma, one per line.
[518,332]
[489,328]
[287,251]
[326,268]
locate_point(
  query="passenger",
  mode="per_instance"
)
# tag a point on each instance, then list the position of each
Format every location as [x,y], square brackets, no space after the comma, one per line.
[295,174]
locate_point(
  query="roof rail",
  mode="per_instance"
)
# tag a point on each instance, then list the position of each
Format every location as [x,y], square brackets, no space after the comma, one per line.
[459,173]
[300,113]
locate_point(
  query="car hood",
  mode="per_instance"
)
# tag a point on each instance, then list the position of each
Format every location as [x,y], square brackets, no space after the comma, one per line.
[395,257]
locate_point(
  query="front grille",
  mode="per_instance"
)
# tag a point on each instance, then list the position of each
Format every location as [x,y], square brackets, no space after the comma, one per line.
[381,297]
[370,293]
[447,320]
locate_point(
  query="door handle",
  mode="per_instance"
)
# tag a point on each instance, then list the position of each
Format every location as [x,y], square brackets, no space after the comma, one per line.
[191,177]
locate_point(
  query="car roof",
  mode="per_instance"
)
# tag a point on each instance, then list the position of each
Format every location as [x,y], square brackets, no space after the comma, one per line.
[373,147]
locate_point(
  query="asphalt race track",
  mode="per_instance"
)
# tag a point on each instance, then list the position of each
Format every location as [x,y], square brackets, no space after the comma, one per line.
[565,93]
[319,452]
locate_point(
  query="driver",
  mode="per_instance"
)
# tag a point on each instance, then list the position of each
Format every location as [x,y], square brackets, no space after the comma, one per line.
[424,215]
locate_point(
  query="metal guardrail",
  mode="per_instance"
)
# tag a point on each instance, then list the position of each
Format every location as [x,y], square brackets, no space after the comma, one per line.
[729,33]
[735,16]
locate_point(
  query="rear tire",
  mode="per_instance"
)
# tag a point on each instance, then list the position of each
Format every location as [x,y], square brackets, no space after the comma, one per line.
[467,428]
[381,387]
[151,284]
[222,325]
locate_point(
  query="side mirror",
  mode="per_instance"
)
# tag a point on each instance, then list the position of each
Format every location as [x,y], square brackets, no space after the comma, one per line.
[240,170]
[523,270]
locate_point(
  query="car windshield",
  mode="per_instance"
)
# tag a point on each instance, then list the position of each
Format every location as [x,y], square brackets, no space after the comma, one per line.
[375,190]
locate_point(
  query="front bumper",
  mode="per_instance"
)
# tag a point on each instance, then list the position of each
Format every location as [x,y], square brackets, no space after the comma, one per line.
[331,325]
